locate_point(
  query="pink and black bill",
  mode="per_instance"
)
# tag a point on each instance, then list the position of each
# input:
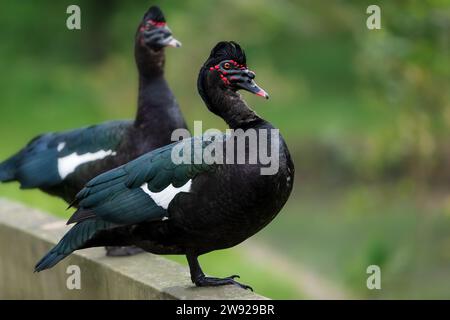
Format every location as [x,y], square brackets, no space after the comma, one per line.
[154,31]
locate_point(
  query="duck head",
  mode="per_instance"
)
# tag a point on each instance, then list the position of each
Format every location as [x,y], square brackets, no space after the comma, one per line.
[224,73]
[227,68]
[153,31]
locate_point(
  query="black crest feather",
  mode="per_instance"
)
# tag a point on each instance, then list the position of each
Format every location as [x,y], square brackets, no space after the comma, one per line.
[155,14]
[226,50]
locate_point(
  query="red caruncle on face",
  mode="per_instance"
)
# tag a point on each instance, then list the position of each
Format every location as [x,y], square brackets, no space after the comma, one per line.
[227,65]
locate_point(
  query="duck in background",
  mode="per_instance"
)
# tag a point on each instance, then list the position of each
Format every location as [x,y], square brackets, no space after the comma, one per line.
[61,163]
[189,209]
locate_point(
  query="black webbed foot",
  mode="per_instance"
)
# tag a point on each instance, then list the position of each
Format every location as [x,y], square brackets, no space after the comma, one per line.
[123,251]
[204,281]
[200,280]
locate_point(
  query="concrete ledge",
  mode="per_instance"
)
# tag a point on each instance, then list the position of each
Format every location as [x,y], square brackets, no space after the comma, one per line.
[27,234]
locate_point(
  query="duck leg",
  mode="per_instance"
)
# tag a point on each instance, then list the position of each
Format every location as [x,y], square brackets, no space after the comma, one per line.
[200,280]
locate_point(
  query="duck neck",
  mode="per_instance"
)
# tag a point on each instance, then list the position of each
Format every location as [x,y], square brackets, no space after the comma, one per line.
[147,104]
[150,62]
[230,106]
[155,99]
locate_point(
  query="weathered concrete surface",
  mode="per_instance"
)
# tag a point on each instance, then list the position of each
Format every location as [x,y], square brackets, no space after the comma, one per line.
[27,234]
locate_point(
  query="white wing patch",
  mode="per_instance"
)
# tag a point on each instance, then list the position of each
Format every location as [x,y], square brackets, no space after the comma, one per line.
[68,164]
[61,146]
[164,197]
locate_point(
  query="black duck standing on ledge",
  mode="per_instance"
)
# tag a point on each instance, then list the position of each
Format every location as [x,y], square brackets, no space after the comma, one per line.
[190,209]
[62,163]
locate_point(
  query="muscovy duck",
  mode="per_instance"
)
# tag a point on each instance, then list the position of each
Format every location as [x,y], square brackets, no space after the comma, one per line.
[62,163]
[70,159]
[166,207]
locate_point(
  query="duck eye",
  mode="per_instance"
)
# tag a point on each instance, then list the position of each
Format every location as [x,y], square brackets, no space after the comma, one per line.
[226,65]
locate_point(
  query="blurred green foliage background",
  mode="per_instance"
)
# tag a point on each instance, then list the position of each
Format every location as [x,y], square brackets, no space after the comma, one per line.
[366,114]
